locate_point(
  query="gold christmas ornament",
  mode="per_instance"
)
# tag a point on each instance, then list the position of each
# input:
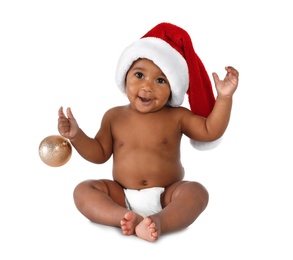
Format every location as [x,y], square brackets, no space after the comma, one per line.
[55,150]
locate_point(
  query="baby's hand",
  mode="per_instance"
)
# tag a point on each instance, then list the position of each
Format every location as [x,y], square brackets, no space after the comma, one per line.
[67,126]
[228,85]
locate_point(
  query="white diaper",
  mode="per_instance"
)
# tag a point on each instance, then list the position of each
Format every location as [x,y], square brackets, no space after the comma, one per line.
[144,202]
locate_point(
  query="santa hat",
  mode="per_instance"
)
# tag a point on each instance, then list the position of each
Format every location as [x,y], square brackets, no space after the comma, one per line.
[171,49]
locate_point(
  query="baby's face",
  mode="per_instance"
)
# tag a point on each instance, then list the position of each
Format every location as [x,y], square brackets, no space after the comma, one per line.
[147,88]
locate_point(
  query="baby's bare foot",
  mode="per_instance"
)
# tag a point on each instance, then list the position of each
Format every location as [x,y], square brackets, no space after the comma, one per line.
[129,222]
[147,229]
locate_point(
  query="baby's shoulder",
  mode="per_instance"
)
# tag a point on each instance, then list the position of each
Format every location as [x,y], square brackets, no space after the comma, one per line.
[114,111]
[178,111]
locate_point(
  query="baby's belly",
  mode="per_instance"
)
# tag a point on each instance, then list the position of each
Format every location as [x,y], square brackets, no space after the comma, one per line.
[135,176]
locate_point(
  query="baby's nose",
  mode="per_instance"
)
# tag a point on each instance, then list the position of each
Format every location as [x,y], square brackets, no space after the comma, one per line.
[148,86]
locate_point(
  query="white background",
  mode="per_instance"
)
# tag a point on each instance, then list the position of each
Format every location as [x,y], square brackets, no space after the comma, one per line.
[64,53]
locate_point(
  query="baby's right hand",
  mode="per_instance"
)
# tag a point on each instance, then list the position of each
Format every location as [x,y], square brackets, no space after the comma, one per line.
[67,126]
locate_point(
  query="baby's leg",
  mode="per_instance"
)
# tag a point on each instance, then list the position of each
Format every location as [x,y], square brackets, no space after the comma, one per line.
[182,203]
[101,201]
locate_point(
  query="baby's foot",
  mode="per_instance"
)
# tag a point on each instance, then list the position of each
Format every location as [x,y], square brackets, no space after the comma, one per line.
[129,222]
[147,229]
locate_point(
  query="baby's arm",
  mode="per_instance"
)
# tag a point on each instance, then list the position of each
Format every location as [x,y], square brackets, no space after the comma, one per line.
[96,150]
[214,126]
[218,120]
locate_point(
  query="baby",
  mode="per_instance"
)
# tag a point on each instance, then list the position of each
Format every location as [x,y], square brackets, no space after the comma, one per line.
[148,195]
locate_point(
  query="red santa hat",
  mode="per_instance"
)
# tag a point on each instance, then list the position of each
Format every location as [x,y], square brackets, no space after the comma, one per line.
[171,49]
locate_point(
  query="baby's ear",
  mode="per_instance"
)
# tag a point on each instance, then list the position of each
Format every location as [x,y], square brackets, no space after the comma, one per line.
[205,146]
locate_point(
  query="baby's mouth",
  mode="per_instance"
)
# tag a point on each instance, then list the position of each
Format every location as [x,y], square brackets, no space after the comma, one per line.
[145,100]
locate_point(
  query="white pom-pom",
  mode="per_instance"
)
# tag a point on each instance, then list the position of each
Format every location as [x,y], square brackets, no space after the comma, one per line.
[205,146]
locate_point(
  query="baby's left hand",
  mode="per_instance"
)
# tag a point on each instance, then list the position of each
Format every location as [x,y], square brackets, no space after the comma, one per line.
[228,85]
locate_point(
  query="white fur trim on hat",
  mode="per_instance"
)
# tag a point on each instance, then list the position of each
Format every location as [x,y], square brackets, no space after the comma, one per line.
[205,146]
[168,59]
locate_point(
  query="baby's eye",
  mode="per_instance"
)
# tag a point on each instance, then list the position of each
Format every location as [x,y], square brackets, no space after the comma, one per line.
[161,81]
[139,75]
